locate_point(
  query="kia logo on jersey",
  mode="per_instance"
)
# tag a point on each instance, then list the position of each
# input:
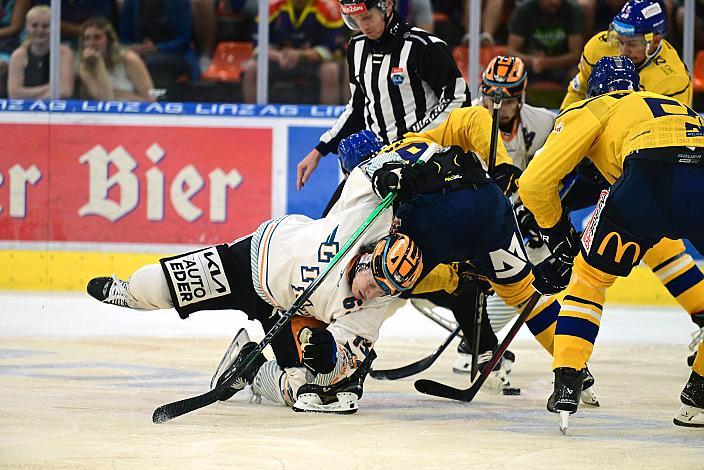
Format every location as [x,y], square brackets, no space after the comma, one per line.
[397,77]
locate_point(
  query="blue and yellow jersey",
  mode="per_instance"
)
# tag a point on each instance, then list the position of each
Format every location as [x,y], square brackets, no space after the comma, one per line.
[607,129]
[318,25]
[663,73]
[468,128]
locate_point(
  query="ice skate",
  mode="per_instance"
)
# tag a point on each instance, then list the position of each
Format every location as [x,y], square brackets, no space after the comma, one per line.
[112,290]
[588,395]
[240,347]
[566,394]
[498,379]
[339,398]
[691,413]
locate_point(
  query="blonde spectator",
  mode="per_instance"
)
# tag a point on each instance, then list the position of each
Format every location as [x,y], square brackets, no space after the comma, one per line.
[28,76]
[107,70]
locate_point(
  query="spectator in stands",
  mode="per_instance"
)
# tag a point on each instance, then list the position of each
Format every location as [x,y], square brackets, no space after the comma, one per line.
[12,13]
[306,38]
[28,77]
[548,36]
[450,21]
[417,13]
[204,30]
[160,32]
[698,23]
[106,69]
[75,12]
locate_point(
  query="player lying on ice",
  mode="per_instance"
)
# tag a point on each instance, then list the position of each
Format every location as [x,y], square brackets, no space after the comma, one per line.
[650,148]
[450,210]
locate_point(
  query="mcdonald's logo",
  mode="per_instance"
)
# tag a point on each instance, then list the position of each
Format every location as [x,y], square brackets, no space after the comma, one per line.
[620,247]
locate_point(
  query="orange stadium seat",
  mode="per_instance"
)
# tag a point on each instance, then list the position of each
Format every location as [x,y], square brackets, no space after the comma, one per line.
[225,66]
[460,54]
[698,74]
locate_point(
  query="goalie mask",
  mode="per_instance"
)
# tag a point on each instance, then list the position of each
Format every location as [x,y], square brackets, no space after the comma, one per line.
[395,263]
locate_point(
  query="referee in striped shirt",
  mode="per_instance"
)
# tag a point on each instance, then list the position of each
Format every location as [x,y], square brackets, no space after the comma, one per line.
[402,80]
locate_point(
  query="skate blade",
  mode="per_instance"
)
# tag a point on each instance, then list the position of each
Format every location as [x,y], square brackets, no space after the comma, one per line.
[564,422]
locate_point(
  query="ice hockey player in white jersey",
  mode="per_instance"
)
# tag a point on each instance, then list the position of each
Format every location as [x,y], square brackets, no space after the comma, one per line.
[264,273]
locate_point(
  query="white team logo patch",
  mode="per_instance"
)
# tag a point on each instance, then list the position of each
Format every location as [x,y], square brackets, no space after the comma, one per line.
[590,229]
[651,10]
[197,276]
[509,263]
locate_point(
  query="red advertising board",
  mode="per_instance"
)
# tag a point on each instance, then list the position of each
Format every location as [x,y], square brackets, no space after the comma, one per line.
[122,183]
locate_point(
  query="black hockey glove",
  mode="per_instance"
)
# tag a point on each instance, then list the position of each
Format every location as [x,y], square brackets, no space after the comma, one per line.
[319,349]
[404,178]
[553,274]
[528,226]
[506,177]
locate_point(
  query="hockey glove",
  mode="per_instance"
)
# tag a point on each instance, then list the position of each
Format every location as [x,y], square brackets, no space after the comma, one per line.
[528,226]
[506,177]
[319,349]
[551,276]
[404,178]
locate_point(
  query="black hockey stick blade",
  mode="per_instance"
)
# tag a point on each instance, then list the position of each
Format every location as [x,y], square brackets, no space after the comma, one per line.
[173,410]
[430,387]
[416,367]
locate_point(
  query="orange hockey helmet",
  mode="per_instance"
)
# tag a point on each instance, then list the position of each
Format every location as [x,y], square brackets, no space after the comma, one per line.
[397,263]
[507,72]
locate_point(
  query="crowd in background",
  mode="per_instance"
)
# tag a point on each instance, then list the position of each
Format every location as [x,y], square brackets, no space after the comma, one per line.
[182,49]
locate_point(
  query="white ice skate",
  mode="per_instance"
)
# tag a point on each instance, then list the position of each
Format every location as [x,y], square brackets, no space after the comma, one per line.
[112,290]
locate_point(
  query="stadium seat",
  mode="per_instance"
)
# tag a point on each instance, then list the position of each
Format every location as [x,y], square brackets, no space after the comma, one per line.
[698,74]
[460,54]
[225,66]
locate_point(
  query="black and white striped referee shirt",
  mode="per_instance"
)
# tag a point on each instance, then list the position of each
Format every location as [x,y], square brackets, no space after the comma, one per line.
[407,81]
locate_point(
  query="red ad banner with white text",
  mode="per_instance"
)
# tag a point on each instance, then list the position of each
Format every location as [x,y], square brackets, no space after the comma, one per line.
[133,183]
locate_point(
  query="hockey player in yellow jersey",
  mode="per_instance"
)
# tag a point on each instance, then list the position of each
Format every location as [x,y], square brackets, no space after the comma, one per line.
[650,148]
[637,33]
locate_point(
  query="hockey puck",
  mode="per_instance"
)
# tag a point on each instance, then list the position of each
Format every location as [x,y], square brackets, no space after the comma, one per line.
[512,391]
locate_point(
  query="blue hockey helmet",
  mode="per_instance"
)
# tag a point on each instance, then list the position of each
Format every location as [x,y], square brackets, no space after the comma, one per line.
[640,18]
[611,74]
[356,148]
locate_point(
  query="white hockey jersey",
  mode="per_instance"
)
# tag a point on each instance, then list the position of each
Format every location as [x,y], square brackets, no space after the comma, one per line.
[290,252]
[534,126]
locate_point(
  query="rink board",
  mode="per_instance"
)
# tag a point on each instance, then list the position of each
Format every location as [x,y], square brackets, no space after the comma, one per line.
[96,188]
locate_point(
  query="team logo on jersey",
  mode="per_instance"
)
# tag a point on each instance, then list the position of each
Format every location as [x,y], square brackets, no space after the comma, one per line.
[397,76]
[511,262]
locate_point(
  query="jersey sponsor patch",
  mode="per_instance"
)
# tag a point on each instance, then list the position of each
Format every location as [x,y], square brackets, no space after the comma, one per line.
[590,230]
[652,10]
[197,276]
[397,76]
[558,127]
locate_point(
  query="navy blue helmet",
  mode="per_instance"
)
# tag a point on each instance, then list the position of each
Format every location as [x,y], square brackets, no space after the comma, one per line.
[356,148]
[611,74]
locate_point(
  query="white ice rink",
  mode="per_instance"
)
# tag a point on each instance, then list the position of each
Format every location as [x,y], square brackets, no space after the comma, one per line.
[79,381]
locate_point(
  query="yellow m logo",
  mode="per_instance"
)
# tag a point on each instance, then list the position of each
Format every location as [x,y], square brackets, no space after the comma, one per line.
[620,247]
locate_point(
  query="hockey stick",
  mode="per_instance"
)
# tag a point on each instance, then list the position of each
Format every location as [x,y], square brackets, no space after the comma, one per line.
[430,387]
[416,367]
[481,304]
[181,407]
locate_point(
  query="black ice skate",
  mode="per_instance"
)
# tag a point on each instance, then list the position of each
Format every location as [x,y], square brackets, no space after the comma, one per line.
[339,398]
[238,350]
[111,290]
[566,394]
[691,413]
[498,380]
